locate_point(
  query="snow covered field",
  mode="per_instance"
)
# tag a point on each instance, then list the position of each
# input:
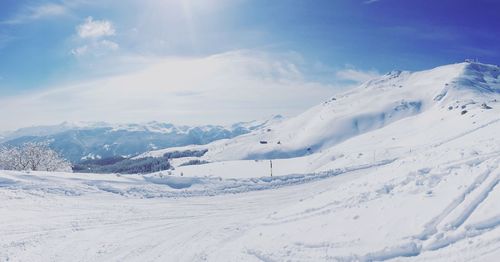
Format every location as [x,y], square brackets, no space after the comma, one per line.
[446,211]
[423,186]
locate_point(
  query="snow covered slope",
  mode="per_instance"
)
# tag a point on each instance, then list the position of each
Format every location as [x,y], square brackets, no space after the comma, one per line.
[446,91]
[403,168]
[438,202]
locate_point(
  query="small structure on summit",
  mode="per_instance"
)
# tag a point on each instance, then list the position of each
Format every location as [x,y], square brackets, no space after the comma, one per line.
[472,60]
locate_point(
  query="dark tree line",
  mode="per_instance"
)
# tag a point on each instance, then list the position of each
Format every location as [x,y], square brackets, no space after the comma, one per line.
[123,165]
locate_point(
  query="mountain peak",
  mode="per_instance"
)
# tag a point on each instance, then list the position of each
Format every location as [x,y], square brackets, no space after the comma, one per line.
[444,93]
[479,77]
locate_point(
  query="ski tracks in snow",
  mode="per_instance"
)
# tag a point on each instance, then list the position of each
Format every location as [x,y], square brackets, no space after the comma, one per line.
[448,226]
[452,232]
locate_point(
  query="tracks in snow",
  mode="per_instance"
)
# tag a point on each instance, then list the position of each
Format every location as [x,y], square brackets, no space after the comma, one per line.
[466,133]
[448,226]
[452,232]
[430,228]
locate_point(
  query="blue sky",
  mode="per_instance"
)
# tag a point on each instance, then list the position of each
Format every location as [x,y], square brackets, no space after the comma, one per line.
[330,45]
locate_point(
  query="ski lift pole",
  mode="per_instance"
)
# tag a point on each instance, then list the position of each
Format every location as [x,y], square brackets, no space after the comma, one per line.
[271,166]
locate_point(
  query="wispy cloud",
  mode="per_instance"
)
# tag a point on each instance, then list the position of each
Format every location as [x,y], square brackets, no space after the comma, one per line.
[91,34]
[31,13]
[355,75]
[371,1]
[95,28]
[221,88]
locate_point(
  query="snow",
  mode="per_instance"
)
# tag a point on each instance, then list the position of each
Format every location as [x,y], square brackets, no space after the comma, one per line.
[361,213]
[420,185]
[422,96]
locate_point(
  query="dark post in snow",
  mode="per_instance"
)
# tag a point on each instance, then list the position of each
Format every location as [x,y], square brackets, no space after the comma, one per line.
[271,165]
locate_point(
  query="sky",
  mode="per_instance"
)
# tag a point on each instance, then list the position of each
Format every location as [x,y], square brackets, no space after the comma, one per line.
[219,61]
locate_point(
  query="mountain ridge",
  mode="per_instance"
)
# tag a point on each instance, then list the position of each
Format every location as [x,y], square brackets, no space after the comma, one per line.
[373,105]
[95,140]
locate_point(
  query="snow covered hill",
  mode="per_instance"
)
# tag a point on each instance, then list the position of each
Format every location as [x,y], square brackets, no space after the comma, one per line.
[82,141]
[437,97]
[438,203]
[404,168]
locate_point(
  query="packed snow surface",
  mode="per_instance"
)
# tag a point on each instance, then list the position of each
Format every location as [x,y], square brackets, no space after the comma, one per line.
[404,168]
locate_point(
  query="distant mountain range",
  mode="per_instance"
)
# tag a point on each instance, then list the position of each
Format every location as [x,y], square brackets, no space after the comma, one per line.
[84,141]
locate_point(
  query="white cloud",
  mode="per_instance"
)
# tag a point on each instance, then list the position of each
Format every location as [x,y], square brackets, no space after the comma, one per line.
[95,28]
[92,36]
[357,76]
[31,13]
[224,88]
[370,1]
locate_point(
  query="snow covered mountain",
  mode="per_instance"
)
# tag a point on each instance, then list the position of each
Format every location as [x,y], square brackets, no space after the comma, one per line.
[455,93]
[80,141]
[405,167]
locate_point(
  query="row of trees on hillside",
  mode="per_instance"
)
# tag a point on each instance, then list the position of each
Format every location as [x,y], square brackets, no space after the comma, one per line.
[124,165]
[33,156]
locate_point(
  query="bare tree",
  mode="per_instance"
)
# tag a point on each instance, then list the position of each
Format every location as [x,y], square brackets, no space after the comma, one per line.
[32,156]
